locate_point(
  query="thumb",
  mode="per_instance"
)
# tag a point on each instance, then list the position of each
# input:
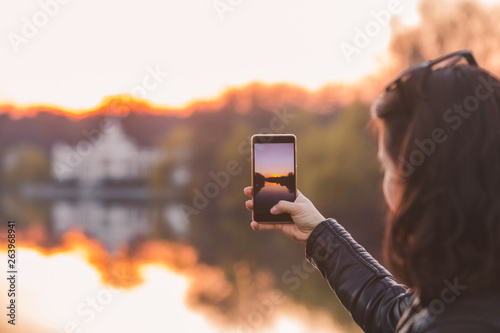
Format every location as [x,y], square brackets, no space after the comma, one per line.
[283,207]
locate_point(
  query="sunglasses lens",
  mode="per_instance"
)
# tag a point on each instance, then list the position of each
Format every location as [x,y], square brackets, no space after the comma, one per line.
[448,62]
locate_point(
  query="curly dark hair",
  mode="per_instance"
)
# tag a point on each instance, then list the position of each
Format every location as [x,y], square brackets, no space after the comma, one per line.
[441,128]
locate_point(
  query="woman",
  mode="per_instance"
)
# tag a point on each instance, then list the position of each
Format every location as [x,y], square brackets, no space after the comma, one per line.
[439,143]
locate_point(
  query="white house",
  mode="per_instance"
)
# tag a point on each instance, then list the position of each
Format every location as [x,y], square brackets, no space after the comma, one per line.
[113,156]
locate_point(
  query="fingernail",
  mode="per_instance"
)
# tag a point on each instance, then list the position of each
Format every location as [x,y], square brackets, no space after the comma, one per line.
[273,210]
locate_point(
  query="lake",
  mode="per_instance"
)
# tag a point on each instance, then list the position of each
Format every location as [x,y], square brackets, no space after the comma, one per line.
[269,196]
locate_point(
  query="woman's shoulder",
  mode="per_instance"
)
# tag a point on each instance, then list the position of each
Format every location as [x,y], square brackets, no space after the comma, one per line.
[479,313]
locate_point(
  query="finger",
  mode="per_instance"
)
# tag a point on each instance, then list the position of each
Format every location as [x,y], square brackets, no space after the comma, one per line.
[248,191]
[301,198]
[283,207]
[266,226]
[249,204]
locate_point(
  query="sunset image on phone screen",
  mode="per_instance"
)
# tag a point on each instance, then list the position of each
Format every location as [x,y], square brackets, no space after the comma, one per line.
[274,178]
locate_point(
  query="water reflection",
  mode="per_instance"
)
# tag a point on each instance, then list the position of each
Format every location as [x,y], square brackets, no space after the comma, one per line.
[270,192]
[260,181]
[112,223]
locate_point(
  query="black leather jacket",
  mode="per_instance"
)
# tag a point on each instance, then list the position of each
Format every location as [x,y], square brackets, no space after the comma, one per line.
[379,304]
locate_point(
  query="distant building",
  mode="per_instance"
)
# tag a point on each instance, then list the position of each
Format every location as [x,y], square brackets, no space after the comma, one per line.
[115,214]
[113,157]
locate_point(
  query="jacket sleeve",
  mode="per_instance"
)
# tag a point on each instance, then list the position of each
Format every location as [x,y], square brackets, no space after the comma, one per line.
[366,289]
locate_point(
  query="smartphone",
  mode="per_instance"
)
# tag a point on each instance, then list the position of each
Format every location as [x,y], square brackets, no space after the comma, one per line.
[274,175]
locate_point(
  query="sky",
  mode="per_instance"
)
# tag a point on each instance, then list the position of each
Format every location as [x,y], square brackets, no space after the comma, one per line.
[274,158]
[74,53]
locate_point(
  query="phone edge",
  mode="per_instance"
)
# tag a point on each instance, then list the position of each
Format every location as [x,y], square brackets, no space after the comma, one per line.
[253,166]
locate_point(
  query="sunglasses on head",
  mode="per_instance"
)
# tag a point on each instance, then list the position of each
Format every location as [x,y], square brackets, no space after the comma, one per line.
[441,62]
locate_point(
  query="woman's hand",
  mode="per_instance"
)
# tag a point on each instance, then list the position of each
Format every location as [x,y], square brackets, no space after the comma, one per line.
[303,212]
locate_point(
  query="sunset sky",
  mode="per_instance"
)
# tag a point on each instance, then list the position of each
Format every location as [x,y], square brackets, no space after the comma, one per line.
[92,49]
[276,159]
[75,54]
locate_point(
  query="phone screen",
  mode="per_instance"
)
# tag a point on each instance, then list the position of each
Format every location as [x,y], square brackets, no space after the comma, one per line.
[274,175]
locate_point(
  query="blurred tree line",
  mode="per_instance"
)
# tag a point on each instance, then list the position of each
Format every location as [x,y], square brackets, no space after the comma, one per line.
[337,170]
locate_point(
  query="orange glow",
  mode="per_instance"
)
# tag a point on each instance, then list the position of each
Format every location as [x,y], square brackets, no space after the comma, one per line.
[160,286]
[241,99]
[274,175]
